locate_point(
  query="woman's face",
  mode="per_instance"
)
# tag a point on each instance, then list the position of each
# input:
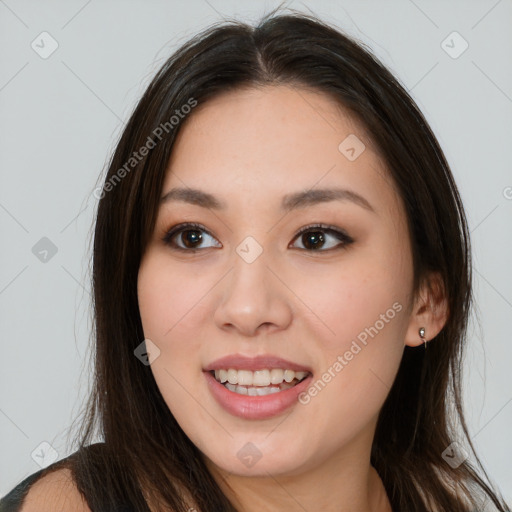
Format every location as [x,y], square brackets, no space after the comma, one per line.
[245,285]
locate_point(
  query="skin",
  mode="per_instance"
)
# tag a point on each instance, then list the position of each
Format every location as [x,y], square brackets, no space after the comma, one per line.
[250,148]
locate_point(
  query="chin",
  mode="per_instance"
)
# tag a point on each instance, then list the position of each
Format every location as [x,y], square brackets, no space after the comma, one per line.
[244,455]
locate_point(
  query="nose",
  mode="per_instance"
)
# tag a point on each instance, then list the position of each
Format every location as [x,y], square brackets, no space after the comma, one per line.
[254,299]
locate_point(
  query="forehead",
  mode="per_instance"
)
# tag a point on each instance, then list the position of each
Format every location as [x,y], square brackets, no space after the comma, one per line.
[269,141]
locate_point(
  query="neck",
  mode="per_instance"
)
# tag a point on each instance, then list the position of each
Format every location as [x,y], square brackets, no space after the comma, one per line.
[343,483]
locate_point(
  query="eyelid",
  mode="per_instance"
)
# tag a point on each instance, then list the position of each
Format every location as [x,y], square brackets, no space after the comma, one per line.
[324,227]
[338,233]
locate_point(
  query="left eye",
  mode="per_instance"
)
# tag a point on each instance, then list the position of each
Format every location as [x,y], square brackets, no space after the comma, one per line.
[313,236]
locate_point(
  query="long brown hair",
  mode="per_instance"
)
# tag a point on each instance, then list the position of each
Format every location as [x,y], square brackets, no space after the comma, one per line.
[146,452]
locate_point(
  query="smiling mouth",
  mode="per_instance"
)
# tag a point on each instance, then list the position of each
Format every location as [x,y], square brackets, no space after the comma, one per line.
[260,382]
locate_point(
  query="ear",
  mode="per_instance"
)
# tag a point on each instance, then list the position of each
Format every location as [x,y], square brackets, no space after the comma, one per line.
[430,311]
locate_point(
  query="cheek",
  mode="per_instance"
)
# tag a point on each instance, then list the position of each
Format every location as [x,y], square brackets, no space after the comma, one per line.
[365,291]
[360,313]
[173,317]
[169,298]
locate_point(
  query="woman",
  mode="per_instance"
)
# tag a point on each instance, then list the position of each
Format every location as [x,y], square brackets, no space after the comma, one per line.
[282,285]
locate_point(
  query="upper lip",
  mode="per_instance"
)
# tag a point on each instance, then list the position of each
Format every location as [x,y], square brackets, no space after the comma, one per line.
[240,362]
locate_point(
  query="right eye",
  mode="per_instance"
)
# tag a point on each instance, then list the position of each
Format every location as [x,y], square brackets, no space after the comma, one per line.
[189,234]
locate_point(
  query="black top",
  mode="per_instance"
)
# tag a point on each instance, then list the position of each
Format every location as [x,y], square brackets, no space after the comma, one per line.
[13,501]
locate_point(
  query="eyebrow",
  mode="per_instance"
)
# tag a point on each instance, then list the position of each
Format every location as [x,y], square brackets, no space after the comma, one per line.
[290,202]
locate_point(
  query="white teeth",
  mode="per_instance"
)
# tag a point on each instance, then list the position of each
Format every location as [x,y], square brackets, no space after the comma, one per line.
[252,391]
[261,378]
[276,376]
[244,378]
[289,375]
[259,391]
[259,382]
[232,376]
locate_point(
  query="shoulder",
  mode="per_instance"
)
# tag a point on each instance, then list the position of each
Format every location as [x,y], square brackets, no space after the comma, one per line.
[50,489]
[55,492]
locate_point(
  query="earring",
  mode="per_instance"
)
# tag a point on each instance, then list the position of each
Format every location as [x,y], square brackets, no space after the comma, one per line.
[422,336]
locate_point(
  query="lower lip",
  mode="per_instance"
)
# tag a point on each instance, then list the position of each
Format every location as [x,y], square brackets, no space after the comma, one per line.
[255,407]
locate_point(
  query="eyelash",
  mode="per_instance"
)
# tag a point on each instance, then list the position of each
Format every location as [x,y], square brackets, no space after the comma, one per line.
[192,226]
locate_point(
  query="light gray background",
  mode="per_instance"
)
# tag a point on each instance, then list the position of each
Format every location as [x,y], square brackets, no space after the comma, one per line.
[60,119]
